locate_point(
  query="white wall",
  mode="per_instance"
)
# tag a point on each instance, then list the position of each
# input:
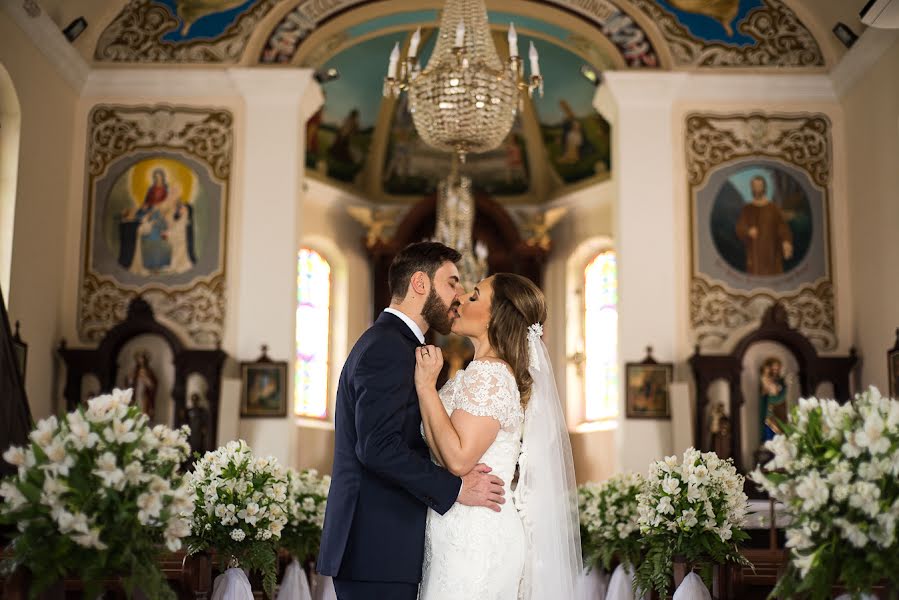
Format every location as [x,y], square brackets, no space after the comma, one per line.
[647,112]
[327,227]
[872,147]
[42,184]
[589,218]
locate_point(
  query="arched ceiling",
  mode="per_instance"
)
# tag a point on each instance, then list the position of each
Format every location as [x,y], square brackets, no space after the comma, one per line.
[679,33]
[363,140]
[368,143]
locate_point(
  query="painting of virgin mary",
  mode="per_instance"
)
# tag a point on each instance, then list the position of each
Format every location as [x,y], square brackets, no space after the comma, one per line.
[158,235]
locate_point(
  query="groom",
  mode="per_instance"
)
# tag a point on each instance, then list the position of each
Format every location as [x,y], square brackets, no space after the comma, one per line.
[383,480]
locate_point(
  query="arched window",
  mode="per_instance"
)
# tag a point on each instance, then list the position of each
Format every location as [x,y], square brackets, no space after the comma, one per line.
[312,335]
[601,338]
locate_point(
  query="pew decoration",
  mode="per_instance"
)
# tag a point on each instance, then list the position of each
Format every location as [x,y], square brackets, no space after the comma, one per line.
[307,497]
[98,495]
[692,509]
[241,511]
[610,528]
[836,470]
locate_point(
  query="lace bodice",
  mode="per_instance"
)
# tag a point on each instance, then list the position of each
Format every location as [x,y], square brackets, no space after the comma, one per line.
[473,552]
[488,389]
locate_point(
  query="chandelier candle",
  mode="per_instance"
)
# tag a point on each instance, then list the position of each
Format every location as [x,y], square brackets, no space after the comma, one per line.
[413,44]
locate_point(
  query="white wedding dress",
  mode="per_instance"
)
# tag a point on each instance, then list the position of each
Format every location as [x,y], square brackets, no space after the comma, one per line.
[473,552]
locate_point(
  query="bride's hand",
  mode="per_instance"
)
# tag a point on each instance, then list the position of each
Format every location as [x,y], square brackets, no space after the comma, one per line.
[428,363]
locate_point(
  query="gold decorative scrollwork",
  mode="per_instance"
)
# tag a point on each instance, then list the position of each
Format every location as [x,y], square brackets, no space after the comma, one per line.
[197,309]
[782,40]
[716,313]
[713,140]
[135,35]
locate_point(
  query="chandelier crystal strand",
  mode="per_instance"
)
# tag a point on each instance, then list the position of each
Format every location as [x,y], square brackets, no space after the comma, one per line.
[464,101]
[455,226]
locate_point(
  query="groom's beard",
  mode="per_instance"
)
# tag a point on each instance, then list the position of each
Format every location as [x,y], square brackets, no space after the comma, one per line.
[436,314]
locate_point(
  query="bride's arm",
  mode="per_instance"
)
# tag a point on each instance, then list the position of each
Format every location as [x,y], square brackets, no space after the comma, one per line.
[458,443]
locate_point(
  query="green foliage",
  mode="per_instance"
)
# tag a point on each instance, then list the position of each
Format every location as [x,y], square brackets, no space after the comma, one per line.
[609,525]
[241,509]
[306,503]
[98,494]
[692,509]
[836,472]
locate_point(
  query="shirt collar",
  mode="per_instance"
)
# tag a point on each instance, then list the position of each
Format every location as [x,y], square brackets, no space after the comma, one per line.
[409,322]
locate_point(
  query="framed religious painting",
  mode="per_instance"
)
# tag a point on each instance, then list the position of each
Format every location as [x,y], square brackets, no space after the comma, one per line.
[647,389]
[759,186]
[263,387]
[893,367]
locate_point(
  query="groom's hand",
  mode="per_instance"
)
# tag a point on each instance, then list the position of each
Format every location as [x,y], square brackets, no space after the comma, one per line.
[479,488]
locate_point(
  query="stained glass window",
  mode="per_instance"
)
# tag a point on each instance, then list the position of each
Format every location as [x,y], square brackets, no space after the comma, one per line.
[601,337]
[312,335]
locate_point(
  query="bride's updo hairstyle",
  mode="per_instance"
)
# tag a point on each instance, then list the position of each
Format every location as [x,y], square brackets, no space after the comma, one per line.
[516,305]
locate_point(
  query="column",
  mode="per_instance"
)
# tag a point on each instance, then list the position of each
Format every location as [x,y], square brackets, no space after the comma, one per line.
[268,185]
[640,108]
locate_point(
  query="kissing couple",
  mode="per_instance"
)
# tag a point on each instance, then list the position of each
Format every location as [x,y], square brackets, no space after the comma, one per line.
[466,493]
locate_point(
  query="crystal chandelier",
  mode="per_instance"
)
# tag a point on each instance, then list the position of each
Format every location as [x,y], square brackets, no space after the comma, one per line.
[464,101]
[455,224]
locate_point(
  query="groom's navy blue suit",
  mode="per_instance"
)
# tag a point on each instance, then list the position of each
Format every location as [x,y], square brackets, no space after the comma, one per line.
[383,480]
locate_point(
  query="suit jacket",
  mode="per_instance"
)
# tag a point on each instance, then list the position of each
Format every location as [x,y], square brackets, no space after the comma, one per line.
[383,480]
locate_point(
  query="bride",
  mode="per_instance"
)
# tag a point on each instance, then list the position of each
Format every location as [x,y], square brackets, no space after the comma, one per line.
[502,410]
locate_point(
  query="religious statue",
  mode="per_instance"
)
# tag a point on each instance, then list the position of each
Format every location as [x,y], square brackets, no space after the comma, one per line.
[538,227]
[143,381]
[379,223]
[772,399]
[198,420]
[764,231]
[720,430]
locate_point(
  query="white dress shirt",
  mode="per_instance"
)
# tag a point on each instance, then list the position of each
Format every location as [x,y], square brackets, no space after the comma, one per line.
[412,324]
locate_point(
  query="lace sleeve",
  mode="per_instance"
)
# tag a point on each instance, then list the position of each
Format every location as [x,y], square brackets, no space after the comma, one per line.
[489,390]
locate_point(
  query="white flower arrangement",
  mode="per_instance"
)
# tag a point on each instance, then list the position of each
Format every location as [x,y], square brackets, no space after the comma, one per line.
[241,510]
[694,508]
[98,493]
[307,498]
[610,530]
[836,470]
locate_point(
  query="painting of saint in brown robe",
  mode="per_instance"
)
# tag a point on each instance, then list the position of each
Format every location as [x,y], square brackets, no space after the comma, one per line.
[764,232]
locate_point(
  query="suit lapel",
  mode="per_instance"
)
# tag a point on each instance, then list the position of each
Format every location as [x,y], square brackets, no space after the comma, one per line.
[390,320]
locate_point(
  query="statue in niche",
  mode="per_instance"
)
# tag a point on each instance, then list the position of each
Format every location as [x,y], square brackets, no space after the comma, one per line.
[720,429]
[772,399]
[143,381]
[198,420]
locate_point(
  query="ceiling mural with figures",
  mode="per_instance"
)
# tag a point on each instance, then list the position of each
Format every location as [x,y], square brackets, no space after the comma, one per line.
[363,140]
[630,33]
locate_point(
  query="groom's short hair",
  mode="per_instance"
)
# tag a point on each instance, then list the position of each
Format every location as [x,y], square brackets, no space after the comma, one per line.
[421,256]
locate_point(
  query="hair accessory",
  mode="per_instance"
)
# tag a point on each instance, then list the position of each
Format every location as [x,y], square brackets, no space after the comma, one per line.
[535,332]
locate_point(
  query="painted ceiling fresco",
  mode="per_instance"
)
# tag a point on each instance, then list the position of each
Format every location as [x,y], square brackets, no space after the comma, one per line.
[684,33]
[361,139]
